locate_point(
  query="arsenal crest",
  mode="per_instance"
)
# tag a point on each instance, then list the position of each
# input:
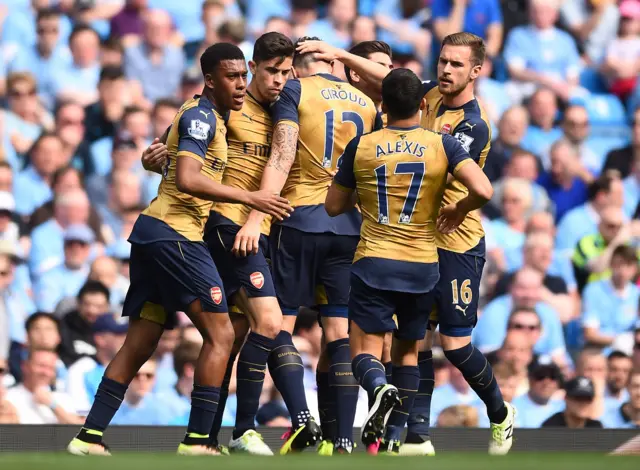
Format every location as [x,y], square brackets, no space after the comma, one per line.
[216,295]
[446,129]
[257,279]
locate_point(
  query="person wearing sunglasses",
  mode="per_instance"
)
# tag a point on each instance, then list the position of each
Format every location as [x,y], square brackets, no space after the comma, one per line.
[539,403]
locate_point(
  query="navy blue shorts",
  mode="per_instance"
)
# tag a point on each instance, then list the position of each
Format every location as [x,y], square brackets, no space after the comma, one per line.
[251,272]
[373,310]
[167,276]
[303,262]
[457,293]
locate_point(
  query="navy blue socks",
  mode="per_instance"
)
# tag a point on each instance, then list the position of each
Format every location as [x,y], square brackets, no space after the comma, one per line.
[107,402]
[344,388]
[406,380]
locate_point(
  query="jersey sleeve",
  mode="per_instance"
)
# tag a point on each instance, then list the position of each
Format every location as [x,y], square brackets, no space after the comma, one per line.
[286,107]
[196,130]
[428,86]
[345,176]
[474,135]
[456,154]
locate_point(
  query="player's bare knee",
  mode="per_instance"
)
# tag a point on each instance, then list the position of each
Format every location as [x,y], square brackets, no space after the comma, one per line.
[426,344]
[288,323]
[450,343]
[269,321]
[404,352]
[335,328]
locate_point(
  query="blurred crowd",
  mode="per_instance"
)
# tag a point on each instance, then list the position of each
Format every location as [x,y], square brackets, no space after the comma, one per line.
[85,85]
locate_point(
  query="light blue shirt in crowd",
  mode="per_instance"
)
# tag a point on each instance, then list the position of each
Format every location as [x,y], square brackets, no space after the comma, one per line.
[43,69]
[158,80]
[531,414]
[631,195]
[574,225]
[259,12]
[228,417]
[30,191]
[20,307]
[20,27]
[57,284]
[100,153]
[392,10]
[560,265]
[491,329]
[479,14]
[176,405]
[614,419]
[538,141]
[552,52]
[73,78]
[14,124]
[47,248]
[445,396]
[608,311]
[506,237]
[149,412]
[325,30]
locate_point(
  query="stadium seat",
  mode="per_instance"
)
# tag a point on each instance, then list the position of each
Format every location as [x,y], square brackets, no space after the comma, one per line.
[606,114]
[591,80]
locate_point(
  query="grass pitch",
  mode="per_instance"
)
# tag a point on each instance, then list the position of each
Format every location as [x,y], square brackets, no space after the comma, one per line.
[309,461]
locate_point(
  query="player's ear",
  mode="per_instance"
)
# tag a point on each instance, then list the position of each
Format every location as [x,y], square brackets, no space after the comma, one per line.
[253,67]
[475,71]
[423,103]
[355,78]
[208,80]
[332,63]
[294,72]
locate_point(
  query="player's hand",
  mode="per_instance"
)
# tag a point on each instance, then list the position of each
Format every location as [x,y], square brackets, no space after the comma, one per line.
[155,156]
[247,240]
[323,50]
[270,203]
[450,218]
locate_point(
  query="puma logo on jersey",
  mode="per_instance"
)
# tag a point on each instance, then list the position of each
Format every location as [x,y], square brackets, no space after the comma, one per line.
[471,126]
[463,310]
[206,115]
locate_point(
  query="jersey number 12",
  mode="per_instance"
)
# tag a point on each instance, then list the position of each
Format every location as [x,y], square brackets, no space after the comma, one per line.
[416,170]
[329,126]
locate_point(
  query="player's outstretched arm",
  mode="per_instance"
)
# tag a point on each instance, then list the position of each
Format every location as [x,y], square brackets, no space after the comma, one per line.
[372,72]
[276,172]
[190,180]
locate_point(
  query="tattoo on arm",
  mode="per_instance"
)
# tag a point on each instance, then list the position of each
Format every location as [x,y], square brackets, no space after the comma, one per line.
[283,148]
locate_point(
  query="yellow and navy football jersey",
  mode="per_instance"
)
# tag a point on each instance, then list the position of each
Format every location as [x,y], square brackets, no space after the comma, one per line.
[470,125]
[198,131]
[399,175]
[329,113]
[249,134]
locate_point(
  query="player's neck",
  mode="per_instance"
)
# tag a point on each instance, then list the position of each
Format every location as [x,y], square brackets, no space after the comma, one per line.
[413,121]
[462,98]
[253,90]
[208,94]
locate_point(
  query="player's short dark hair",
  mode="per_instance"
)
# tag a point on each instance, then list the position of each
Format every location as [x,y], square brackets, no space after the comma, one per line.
[303,60]
[401,93]
[187,352]
[82,28]
[603,183]
[215,54]
[46,13]
[365,49]
[93,287]
[271,45]
[627,253]
[39,315]
[476,43]
[111,73]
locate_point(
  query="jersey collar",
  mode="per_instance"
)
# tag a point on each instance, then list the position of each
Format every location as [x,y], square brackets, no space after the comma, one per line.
[263,105]
[328,76]
[397,128]
[205,102]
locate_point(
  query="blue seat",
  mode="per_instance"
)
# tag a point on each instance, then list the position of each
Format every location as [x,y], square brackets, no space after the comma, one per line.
[603,109]
[592,81]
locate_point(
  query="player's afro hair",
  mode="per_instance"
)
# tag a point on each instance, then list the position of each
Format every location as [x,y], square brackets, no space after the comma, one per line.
[217,53]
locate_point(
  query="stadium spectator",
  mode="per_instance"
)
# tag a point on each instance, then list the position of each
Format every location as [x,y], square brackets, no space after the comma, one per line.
[621,159]
[631,186]
[177,400]
[583,220]
[11,228]
[76,327]
[45,57]
[78,82]
[611,305]
[84,375]
[154,62]
[47,244]
[273,415]
[69,126]
[567,180]
[593,24]
[482,18]
[335,28]
[539,403]
[542,131]
[128,21]
[66,279]
[592,255]
[22,121]
[621,64]
[526,293]
[458,416]
[509,383]
[516,351]
[576,128]
[6,177]
[619,367]
[627,415]
[591,363]
[491,93]
[517,199]
[111,53]
[140,406]
[8,414]
[103,116]
[456,392]
[540,54]
[124,192]
[400,24]
[105,270]
[33,399]
[165,367]
[364,29]
[579,399]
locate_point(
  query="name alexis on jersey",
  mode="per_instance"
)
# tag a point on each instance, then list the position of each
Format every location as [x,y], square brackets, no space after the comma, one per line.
[401,146]
[343,95]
